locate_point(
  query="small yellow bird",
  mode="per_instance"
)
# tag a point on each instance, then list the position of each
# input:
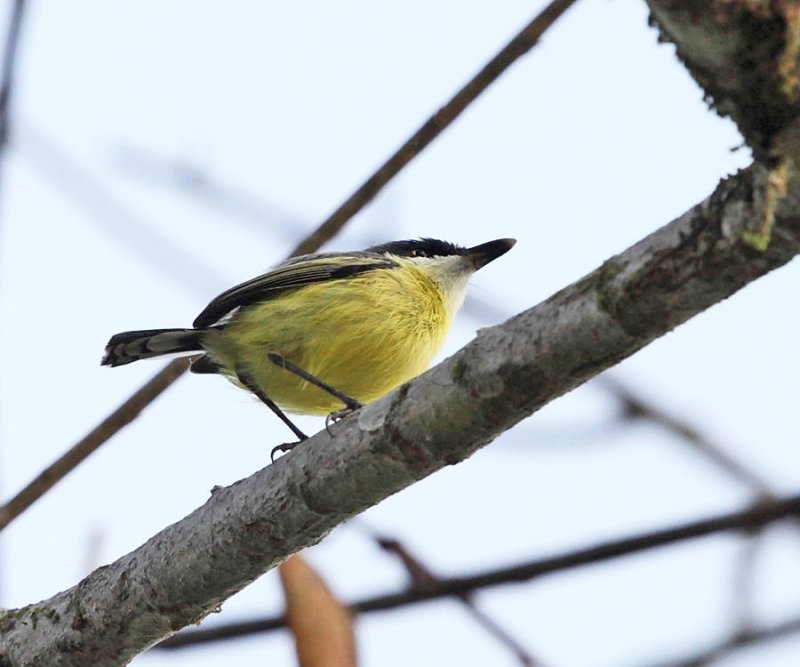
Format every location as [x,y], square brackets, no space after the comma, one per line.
[319,331]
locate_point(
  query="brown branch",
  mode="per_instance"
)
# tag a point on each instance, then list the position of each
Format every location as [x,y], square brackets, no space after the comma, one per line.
[744,55]
[517,47]
[251,211]
[752,518]
[637,407]
[9,61]
[114,217]
[736,642]
[254,212]
[744,582]
[422,576]
[438,419]
[524,41]
[118,419]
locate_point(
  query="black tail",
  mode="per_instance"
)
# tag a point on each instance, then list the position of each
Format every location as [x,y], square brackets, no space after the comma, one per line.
[134,345]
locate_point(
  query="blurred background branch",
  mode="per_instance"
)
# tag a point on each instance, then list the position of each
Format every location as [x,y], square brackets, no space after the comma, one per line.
[752,518]
[7,69]
[79,184]
[226,197]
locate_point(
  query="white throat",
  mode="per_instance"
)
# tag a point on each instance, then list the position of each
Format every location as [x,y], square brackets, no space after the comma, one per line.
[451,274]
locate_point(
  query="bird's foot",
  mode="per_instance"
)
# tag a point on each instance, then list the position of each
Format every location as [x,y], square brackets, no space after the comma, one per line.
[338,415]
[283,448]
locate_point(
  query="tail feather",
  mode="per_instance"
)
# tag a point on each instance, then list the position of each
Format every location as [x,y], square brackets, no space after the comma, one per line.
[134,345]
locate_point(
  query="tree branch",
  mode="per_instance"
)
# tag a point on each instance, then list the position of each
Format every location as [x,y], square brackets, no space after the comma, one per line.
[437,123]
[637,407]
[748,227]
[745,56]
[7,69]
[440,418]
[118,419]
[752,518]
[421,577]
[329,228]
[735,643]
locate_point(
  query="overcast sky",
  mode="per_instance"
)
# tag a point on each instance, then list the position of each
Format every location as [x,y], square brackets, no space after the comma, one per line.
[594,139]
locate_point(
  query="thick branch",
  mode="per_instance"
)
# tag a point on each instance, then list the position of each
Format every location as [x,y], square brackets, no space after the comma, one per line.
[517,47]
[438,419]
[745,54]
[752,518]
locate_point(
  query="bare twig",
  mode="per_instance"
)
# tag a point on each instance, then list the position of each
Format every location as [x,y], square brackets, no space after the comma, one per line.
[736,642]
[752,518]
[115,218]
[422,576]
[7,73]
[121,417]
[252,211]
[744,583]
[433,127]
[636,406]
[437,419]
[63,169]
[235,203]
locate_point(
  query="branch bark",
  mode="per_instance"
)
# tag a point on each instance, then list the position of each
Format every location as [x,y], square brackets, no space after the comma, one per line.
[517,47]
[438,419]
[522,42]
[746,521]
[745,55]
[748,227]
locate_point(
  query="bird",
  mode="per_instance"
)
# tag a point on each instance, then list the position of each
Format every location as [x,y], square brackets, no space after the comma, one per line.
[327,330]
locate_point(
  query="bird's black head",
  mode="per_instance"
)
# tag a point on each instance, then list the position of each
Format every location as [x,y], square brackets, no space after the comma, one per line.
[419,248]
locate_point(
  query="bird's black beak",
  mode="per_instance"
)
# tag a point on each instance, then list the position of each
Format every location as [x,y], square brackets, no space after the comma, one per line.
[482,254]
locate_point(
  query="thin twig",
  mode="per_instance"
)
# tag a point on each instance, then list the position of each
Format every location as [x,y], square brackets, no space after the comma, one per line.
[433,127]
[637,407]
[121,417]
[115,217]
[421,575]
[517,47]
[736,642]
[252,211]
[9,61]
[751,518]
[744,582]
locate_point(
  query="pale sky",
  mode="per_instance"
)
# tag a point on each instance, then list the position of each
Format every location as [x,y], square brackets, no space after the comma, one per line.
[593,140]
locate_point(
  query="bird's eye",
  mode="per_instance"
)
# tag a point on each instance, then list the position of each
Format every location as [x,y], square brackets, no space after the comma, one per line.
[418,253]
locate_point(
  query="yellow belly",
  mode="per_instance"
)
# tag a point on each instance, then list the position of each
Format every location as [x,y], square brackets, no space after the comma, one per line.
[363,335]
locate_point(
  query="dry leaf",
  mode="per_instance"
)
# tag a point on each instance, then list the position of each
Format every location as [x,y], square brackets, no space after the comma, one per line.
[322,626]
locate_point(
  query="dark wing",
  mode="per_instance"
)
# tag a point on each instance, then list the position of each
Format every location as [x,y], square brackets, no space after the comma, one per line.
[289,276]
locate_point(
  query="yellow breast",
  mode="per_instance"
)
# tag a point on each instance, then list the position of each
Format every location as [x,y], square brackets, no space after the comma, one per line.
[363,335]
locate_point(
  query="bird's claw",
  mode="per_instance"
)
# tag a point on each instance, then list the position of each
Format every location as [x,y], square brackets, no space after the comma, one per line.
[338,415]
[285,447]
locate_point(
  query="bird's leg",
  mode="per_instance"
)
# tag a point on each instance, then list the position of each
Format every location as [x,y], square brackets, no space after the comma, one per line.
[350,402]
[248,382]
